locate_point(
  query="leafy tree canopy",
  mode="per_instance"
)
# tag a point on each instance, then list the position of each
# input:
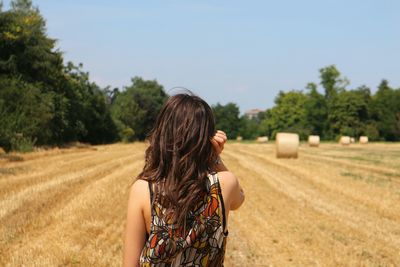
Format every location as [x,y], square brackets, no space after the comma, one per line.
[227,118]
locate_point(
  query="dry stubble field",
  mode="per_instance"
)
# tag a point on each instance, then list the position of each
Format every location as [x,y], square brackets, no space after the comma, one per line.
[333,206]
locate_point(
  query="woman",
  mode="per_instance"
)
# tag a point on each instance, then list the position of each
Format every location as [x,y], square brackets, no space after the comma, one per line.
[178,207]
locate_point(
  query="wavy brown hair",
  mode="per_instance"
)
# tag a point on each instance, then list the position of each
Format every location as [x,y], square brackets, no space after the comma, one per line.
[180,154]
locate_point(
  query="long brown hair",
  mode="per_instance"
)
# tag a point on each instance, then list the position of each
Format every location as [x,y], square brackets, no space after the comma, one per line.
[180,153]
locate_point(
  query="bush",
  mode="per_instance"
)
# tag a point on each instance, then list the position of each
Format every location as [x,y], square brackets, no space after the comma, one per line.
[128,135]
[22,144]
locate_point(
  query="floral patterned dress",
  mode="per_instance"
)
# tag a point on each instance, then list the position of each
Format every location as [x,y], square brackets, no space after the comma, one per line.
[204,240]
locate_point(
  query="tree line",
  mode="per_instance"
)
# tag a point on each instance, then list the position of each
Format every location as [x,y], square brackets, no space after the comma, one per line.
[334,112]
[46,101]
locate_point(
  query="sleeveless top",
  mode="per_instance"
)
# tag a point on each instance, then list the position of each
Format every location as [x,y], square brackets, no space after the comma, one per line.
[204,240]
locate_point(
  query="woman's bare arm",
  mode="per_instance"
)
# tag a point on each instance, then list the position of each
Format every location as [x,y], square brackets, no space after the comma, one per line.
[230,182]
[135,233]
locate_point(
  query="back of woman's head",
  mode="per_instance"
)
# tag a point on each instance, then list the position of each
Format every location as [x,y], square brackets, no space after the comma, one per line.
[180,153]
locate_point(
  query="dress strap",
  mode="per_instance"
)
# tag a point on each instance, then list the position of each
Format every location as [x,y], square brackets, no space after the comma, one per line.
[151,192]
[151,207]
[214,180]
[152,212]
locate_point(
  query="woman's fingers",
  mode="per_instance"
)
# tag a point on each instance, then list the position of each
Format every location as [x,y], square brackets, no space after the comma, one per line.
[219,139]
[221,133]
[216,145]
[214,142]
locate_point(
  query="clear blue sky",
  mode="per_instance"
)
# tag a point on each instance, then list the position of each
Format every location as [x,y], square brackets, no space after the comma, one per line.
[239,51]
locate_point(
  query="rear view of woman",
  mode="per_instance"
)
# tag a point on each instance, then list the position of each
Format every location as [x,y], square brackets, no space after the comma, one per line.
[178,207]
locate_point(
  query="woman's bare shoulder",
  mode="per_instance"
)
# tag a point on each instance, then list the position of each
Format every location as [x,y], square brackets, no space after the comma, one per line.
[139,190]
[228,179]
[139,184]
[231,190]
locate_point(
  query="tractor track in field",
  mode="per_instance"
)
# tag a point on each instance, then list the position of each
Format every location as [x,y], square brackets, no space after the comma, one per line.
[299,187]
[82,203]
[309,190]
[15,200]
[378,170]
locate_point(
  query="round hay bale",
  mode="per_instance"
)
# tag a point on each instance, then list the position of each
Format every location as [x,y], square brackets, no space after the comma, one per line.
[352,140]
[313,140]
[239,138]
[363,140]
[345,140]
[287,145]
[262,139]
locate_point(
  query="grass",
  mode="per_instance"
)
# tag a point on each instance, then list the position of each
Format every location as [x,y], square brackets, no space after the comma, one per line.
[356,158]
[352,175]
[359,158]
[11,157]
[367,178]
[7,171]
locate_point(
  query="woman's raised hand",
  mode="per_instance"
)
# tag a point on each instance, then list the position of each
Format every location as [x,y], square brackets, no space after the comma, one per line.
[218,141]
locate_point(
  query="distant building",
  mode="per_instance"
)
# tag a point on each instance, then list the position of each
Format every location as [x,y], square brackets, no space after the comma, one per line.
[253,113]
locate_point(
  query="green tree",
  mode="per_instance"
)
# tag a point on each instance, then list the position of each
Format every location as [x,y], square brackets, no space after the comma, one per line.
[127,115]
[249,128]
[385,110]
[26,50]
[371,130]
[288,114]
[227,119]
[76,109]
[333,84]
[24,112]
[27,55]
[349,114]
[88,115]
[316,111]
[136,108]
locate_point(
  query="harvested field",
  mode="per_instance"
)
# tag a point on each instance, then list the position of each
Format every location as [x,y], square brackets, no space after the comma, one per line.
[333,206]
